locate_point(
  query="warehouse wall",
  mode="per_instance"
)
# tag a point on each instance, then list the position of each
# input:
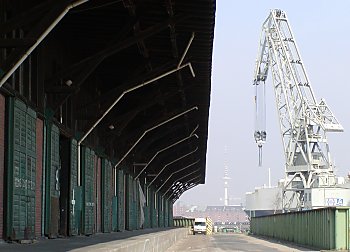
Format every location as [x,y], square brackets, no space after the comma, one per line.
[33,168]
[39,171]
[2,162]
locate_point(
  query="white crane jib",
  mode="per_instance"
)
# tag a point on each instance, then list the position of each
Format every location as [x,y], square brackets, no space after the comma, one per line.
[303,121]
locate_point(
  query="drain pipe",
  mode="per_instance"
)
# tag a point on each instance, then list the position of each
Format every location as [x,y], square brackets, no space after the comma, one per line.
[179,178]
[150,129]
[174,161]
[166,148]
[38,41]
[128,91]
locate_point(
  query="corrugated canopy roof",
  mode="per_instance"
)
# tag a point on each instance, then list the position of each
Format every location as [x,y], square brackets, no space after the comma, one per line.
[111,47]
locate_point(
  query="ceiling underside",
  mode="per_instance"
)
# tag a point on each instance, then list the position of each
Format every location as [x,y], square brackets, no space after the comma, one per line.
[131,51]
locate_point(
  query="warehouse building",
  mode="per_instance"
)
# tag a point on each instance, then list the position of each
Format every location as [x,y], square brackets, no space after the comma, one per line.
[103,113]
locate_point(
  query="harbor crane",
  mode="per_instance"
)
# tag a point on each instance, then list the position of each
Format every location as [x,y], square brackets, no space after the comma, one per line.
[304,122]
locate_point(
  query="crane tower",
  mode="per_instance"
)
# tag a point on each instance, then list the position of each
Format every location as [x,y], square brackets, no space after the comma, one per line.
[304,122]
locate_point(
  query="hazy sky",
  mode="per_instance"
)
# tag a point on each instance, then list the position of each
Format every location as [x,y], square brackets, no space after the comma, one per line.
[322,32]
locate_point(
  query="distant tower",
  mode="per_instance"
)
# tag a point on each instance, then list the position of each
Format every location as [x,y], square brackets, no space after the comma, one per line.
[226,178]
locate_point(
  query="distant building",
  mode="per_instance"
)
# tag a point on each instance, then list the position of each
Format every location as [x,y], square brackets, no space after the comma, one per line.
[179,209]
[226,214]
[221,215]
[229,216]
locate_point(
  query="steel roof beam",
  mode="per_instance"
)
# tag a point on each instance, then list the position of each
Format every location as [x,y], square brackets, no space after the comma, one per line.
[116,101]
[130,5]
[15,42]
[143,84]
[153,128]
[186,167]
[182,191]
[169,154]
[170,10]
[87,66]
[177,181]
[170,163]
[153,143]
[122,121]
[143,148]
[98,57]
[167,148]
[174,191]
[61,89]
[39,32]
[112,93]
[26,17]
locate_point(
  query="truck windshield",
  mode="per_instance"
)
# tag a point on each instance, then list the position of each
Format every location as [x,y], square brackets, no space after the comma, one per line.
[199,223]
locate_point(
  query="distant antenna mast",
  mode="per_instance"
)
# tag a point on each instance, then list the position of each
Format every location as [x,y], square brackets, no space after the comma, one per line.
[226,177]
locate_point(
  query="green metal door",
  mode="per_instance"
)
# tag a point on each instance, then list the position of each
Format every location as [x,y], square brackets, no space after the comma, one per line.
[107,194]
[137,205]
[166,213]
[21,171]
[52,185]
[154,207]
[115,214]
[120,200]
[73,194]
[131,203]
[147,207]
[88,157]
[128,203]
[170,213]
[160,211]
[134,217]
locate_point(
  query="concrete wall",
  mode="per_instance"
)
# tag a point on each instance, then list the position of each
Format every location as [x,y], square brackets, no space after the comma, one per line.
[158,241]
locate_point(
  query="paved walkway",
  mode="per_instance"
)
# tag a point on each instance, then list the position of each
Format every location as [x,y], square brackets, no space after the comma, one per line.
[231,242]
[75,242]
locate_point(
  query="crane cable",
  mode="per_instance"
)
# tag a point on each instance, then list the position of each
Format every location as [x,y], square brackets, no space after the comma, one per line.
[260,120]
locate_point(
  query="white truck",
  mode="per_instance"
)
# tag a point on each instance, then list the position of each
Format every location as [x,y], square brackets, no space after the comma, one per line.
[200,226]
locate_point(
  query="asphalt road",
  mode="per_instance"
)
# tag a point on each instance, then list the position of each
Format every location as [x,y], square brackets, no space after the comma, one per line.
[230,242]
